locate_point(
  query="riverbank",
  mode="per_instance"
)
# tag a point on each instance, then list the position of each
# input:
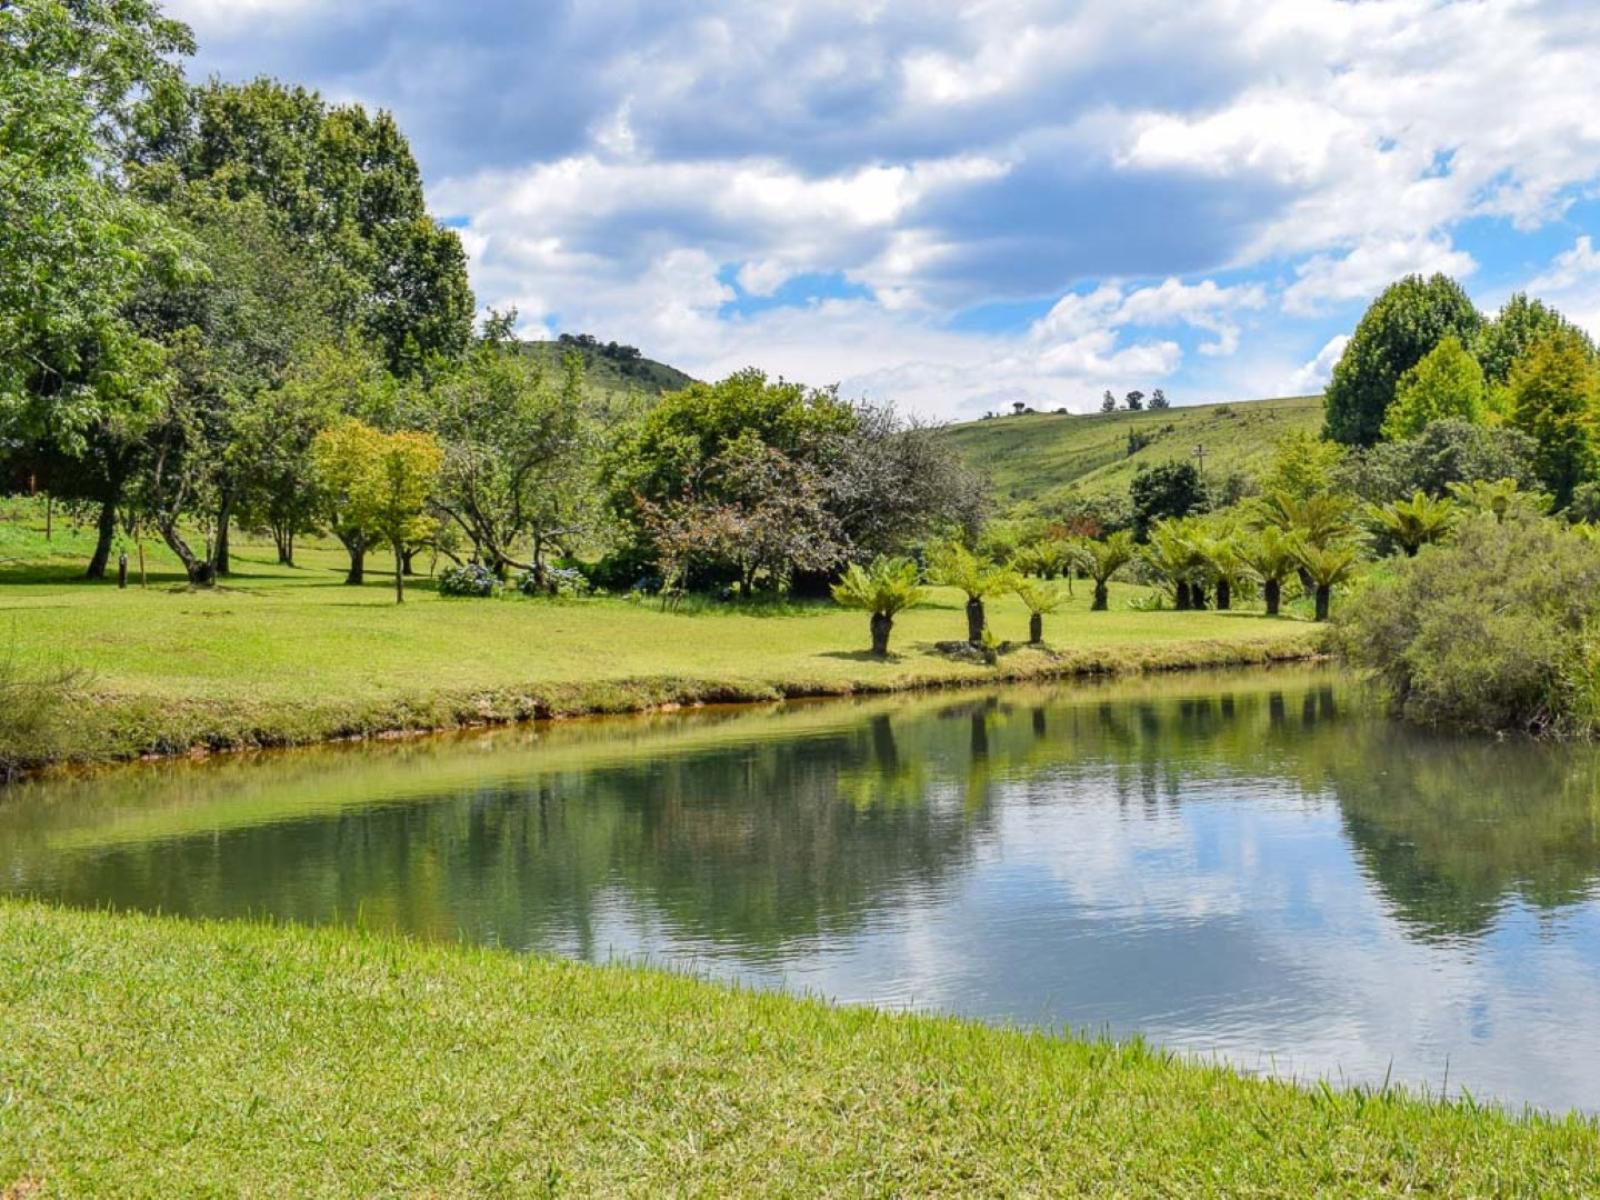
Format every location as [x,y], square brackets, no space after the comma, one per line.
[152,1057]
[290,656]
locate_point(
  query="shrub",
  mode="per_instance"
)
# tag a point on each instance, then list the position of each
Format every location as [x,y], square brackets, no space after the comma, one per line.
[1446,452]
[1495,631]
[468,579]
[1171,489]
[566,582]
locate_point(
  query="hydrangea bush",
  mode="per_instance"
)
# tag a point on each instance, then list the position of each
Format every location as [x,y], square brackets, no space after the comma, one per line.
[558,581]
[468,579]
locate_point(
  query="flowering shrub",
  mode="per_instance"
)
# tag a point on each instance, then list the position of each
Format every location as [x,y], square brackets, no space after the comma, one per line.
[558,581]
[468,579]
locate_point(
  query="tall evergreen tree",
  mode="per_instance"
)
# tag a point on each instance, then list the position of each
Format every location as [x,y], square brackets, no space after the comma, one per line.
[1555,394]
[346,185]
[1408,320]
[1515,328]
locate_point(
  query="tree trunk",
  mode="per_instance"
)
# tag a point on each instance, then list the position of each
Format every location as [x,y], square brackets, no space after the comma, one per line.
[105,531]
[975,620]
[882,623]
[1101,595]
[1182,596]
[200,570]
[1274,592]
[283,539]
[1324,595]
[1197,595]
[220,560]
[399,574]
[407,564]
[1224,595]
[355,546]
[1035,629]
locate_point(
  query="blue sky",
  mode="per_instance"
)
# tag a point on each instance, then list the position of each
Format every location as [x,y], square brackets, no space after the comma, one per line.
[958,206]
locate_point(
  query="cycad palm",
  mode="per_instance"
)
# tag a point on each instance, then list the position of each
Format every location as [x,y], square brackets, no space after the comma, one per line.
[1318,520]
[1500,499]
[1326,567]
[1102,560]
[883,589]
[1045,559]
[1414,523]
[1040,598]
[1176,552]
[1271,558]
[1226,565]
[978,576]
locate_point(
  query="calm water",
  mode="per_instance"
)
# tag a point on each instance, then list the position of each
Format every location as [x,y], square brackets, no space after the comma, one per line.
[1256,866]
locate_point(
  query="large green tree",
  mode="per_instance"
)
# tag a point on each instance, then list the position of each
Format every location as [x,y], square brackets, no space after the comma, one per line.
[1169,489]
[675,448]
[78,381]
[347,186]
[1447,384]
[519,450]
[1555,397]
[1512,332]
[233,337]
[1408,320]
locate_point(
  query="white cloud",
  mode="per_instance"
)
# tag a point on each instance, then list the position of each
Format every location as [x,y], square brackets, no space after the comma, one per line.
[224,18]
[1203,305]
[1572,284]
[1366,270]
[1314,376]
[1272,164]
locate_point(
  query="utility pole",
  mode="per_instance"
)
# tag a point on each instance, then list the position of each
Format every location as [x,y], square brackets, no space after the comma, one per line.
[1200,456]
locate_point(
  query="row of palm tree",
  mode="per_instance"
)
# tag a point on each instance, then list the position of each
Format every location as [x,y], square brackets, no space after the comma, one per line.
[1319,541]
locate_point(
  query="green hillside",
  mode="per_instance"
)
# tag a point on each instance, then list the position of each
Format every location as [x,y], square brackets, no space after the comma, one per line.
[613,369]
[1029,456]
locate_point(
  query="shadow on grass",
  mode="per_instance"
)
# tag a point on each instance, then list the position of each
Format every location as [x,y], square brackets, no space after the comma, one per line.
[864,656]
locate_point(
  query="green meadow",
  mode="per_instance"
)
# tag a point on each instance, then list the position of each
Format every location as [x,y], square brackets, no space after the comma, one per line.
[279,655]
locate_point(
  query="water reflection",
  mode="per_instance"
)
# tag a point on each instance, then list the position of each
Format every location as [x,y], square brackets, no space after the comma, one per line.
[1255,865]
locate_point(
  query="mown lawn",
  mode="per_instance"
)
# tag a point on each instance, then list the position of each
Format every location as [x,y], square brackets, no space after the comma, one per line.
[151,1057]
[288,655]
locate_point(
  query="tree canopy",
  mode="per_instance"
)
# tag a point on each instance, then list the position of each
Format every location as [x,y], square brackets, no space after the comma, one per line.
[1446,383]
[1407,321]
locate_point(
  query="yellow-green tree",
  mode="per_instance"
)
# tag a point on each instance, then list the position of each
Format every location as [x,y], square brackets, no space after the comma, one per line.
[1302,465]
[1448,382]
[380,482]
[1555,389]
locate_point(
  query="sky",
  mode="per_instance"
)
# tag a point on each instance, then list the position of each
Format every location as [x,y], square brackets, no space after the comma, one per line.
[959,206]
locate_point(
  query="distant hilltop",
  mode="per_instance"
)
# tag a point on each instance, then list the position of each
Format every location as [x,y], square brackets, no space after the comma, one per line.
[1036,453]
[612,366]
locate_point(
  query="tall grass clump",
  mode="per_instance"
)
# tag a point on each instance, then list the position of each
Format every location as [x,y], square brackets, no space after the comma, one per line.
[1497,631]
[34,710]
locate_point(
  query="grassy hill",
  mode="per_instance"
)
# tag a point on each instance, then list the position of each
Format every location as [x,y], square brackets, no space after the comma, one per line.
[617,374]
[1030,456]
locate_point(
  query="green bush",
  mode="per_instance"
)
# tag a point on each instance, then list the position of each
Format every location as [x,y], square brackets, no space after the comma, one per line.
[468,579]
[1494,632]
[564,582]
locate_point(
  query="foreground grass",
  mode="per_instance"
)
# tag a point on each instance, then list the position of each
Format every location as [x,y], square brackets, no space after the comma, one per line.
[284,656]
[150,1057]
